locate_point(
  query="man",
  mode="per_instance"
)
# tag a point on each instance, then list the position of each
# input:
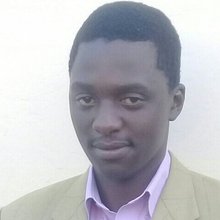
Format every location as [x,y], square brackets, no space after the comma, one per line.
[124,90]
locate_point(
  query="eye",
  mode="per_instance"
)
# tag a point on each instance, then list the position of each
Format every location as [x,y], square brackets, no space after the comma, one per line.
[86,100]
[132,101]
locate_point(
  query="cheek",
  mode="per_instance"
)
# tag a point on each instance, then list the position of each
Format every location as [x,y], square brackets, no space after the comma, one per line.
[149,125]
[82,122]
[81,129]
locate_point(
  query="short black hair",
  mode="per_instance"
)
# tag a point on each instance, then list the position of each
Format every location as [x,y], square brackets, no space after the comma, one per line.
[132,21]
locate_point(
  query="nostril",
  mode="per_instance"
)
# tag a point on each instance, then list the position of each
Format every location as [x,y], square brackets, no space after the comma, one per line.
[106,124]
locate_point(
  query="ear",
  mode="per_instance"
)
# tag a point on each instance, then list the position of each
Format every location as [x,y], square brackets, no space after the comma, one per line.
[178,97]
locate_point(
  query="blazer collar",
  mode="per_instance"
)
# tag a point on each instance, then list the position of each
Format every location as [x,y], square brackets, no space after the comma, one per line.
[177,200]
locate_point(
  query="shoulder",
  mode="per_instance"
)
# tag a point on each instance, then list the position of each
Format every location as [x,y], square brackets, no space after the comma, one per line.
[199,181]
[205,190]
[38,203]
[207,194]
[208,187]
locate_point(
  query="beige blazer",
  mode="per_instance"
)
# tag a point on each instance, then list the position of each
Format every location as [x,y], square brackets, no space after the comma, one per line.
[186,196]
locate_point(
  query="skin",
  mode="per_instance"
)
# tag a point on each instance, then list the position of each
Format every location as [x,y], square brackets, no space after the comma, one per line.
[121,105]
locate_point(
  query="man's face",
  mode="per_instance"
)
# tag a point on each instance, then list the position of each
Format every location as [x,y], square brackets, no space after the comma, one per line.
[120,106]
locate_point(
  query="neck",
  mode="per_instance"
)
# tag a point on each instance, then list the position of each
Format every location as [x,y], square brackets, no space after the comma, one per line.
[115,192]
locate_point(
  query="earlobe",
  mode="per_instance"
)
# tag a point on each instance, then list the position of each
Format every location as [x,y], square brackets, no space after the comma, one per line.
[178,97]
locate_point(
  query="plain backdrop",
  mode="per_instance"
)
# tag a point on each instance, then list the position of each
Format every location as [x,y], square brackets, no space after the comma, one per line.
[38,145]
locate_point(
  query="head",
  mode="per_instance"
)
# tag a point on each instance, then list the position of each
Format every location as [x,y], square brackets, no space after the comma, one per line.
[124,87]
[130,21]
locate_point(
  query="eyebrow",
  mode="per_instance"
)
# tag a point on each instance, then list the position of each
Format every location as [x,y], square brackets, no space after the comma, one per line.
[132,87]
[81,86]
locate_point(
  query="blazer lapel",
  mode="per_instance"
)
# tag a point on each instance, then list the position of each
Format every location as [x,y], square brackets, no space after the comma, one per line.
[71,205]
[161,212]
[177,201]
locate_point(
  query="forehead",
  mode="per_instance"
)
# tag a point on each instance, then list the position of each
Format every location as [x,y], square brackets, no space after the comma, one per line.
[118,51]
[116,62]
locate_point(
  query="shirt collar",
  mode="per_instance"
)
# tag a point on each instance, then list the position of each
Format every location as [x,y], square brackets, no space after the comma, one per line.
[153,189]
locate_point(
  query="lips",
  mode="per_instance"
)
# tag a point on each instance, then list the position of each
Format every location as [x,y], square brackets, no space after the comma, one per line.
[110,145]
[111,149]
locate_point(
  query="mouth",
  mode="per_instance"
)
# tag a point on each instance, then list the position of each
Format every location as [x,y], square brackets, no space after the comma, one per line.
[111,150]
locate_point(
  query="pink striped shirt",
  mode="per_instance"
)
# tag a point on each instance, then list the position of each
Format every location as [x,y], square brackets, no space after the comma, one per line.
[141,208]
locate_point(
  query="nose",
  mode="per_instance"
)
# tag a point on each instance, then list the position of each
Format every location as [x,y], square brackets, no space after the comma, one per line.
[107,120]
